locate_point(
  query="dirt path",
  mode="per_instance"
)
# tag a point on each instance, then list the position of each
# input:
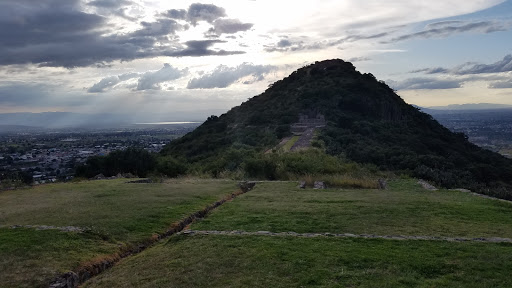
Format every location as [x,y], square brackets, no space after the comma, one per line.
[304,140]
[349,235]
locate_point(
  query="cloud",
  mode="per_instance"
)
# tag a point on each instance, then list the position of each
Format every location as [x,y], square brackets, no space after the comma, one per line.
[287,45]
[197,12]
[228,26]
[424,83]
[204,12]
[152,80]
[32,94]
[501,85]
[109,3]
[284,43]
[57,33]
[447,28]
[161,27]
[146,81]
[431,70]
[223,76]
[359,59]
[110,82]
[503,65]
[201,48]
[180,14]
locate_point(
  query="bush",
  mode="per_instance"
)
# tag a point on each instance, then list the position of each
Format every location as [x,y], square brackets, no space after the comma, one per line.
[132,160]
[170,166]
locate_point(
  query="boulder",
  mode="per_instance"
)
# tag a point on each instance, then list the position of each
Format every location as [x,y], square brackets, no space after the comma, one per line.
[383,184]
[319,185]
[99,177]
[246,186]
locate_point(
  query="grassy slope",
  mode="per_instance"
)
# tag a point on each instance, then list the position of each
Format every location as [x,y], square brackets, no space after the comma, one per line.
[117,213]
[241,261]
[263,261]
[288,145]
[30,258]
[112,208]
[404,209]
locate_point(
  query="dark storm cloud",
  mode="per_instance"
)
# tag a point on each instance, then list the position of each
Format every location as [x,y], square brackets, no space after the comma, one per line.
[56,33]
[224,76]
[424,83]
[504,65]
[444,29]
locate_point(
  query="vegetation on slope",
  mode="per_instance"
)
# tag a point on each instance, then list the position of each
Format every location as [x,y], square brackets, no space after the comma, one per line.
[366,123]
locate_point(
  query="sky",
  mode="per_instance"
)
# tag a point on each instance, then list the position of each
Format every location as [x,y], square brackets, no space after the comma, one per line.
[172,60]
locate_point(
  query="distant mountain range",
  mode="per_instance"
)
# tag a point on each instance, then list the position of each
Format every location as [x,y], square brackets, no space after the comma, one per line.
[471,106]
[57,120]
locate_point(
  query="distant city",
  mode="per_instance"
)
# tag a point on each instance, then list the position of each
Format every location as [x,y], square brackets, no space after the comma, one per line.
[488,128]
[51,155]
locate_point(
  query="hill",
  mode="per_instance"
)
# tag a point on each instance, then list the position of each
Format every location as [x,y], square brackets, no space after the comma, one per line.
[365,122]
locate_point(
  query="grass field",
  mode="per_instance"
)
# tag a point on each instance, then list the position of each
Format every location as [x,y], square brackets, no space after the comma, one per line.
[403,209]
[259,261]
[115,212]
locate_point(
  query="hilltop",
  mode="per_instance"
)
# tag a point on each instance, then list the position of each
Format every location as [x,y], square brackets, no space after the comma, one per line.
[365,122]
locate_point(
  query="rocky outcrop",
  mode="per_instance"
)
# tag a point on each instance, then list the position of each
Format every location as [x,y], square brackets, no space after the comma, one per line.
[427,185]
[319,185]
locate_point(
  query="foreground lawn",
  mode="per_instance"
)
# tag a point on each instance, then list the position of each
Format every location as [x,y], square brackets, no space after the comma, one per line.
[403,209]
[112,208]
[115,212]
[30,258]
[260,261]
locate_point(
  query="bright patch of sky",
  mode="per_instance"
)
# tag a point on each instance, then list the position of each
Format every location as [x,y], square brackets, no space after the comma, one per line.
[193,59]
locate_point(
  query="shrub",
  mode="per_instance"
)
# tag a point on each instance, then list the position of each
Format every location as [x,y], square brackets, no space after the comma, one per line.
[170,166]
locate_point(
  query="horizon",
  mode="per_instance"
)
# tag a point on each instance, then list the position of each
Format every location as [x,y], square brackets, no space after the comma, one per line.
[190,59]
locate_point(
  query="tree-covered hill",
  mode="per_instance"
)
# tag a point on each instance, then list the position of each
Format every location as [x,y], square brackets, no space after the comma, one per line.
[367,122]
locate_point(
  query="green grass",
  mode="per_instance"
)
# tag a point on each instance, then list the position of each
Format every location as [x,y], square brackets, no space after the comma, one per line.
[30,258]
[403,209]
[116,212]
[249,261]
[115,209]
[288,145]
